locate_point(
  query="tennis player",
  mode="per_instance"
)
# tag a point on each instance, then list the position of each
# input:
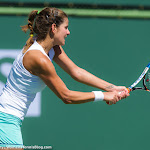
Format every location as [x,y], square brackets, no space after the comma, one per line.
[33,70]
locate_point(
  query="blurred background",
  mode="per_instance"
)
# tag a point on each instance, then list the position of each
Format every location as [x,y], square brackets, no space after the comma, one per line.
[109,38]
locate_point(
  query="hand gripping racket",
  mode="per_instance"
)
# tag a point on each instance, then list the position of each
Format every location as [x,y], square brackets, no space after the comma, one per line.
[146,81]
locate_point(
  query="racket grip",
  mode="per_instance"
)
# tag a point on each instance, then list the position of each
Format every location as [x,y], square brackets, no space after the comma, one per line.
[129,90]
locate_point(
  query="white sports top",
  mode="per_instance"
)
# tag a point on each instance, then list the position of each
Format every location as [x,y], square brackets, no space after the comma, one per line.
[21,86]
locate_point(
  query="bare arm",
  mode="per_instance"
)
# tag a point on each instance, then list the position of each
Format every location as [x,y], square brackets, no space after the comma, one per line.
[78,73]
[38,64]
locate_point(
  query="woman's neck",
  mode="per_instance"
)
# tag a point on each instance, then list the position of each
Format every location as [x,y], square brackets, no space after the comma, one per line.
[47,44]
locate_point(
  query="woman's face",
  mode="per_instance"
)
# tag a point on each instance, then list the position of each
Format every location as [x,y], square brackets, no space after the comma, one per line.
[61,33]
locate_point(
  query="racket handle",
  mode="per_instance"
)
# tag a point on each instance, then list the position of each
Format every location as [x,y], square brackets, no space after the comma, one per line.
[129,90]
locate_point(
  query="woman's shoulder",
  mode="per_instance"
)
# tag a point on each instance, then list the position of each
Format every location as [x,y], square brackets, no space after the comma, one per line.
[34,60]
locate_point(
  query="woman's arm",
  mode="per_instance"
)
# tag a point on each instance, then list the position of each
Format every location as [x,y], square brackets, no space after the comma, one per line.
[80,74]
[38,64]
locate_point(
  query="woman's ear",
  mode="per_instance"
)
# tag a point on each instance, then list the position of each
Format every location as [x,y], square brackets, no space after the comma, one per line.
[53,28]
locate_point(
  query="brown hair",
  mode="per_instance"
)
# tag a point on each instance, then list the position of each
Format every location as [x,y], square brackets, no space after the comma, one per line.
[39,23]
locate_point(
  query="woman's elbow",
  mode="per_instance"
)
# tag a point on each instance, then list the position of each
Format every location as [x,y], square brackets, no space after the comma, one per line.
[67,102]
[66,98]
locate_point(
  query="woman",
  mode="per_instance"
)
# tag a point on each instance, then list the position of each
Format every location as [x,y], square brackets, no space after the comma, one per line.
[33,70]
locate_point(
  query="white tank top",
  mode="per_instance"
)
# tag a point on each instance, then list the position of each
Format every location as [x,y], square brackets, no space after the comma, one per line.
[21,86]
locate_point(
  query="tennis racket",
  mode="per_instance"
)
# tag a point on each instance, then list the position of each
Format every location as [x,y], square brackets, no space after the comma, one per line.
[145,76]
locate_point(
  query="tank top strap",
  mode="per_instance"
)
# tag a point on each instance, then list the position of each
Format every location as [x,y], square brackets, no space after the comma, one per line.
[36,46]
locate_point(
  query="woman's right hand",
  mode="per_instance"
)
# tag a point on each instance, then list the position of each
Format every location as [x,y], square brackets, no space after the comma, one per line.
[112,97]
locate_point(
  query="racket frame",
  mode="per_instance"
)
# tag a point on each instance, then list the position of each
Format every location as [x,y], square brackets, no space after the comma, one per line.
[142,76]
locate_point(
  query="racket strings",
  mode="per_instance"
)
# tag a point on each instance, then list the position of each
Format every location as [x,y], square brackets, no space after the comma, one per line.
[147,80]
